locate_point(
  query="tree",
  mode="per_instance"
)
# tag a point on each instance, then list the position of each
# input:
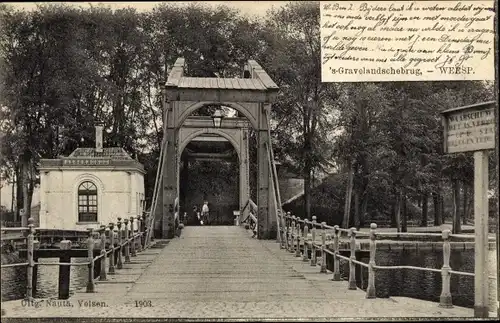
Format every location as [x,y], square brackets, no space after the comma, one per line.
[303,109]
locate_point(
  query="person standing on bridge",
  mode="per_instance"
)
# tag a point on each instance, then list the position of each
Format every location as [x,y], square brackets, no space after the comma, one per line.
[205,211]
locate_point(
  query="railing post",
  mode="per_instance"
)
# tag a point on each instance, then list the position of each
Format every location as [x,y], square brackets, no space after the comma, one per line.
[90,247]
[289,231]
[298,233]
[281,228]
[323,247]
[292,235]
[313,246]
[336,260]
[134,238]
[445,298]
[370,290]
[127,241]
[139,226]
[31,262]
[352,265]
[112,245]
[103,275]
[119,265]
[305,256]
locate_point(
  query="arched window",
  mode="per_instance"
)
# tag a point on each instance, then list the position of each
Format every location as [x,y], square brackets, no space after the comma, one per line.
[87,202]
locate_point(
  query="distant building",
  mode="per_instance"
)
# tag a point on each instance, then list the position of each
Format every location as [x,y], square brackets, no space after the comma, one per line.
[92,186]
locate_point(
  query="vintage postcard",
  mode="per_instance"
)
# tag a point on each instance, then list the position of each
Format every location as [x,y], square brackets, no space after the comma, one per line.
[249,161]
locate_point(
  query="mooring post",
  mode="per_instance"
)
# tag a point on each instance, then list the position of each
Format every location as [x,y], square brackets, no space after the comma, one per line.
[336,260]
[31,261]
[352,265]
[133,238]
[120,249]
[298,233]
[90,247]
[103,275]
[305,256]
[445,298]
[112,245]
[370,290]
[127,241]
[64,270]
[323,247]
[313,245]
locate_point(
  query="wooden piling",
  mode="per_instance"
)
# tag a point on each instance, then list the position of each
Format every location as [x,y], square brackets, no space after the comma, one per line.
[64,271]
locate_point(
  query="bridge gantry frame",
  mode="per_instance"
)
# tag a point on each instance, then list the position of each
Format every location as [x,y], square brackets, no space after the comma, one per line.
[252,96]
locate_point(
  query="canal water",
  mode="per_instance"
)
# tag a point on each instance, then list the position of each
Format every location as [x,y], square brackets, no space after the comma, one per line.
[14,280]
[407,282]
[423,284]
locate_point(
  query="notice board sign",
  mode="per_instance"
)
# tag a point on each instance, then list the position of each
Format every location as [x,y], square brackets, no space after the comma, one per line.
[469,128]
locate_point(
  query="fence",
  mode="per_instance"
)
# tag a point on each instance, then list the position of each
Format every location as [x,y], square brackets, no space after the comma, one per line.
[117,241]
[296,231]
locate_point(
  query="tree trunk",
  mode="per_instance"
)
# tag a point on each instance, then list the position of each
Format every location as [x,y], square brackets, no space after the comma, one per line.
[307,193]
[398,212]
[404,225]
[363,213]
[465,215]
[425,210]
[437,209]
[356,209]
[441,207]
[456,207]
[347,207]
[13,197]
[393,214]
[19,192]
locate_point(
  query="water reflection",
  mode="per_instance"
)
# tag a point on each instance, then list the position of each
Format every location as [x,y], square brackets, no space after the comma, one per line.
[421,284]
[14,280]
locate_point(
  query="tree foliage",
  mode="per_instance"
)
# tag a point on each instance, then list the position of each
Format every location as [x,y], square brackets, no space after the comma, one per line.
[64,69]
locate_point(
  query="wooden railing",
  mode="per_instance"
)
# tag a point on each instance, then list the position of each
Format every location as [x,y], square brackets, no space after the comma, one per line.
[117,241]
[296,231]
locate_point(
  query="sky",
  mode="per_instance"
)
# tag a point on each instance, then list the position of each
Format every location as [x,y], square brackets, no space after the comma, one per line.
[253,8]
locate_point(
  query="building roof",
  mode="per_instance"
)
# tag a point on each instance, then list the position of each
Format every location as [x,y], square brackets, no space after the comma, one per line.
[114,153]
[221,83]
[114,158]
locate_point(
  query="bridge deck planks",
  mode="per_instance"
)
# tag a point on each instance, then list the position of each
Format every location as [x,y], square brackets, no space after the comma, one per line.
[221,272]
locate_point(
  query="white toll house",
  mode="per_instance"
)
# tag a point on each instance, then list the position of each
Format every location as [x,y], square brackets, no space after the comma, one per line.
[90,187]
